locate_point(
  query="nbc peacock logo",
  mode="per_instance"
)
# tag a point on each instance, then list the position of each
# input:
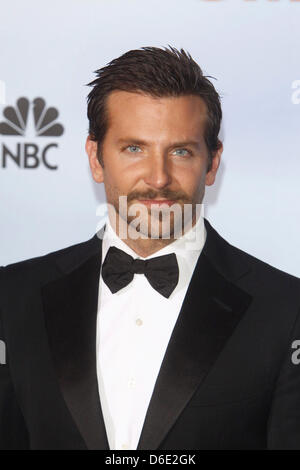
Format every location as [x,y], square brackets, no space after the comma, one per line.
[29,119]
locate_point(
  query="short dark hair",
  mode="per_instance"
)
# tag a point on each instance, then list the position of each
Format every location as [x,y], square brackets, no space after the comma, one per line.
[158,73]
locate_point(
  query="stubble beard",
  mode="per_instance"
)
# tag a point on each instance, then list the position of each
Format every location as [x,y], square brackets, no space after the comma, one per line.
[161,222]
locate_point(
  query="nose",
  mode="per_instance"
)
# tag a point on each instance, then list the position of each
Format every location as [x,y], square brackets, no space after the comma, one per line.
[158,171]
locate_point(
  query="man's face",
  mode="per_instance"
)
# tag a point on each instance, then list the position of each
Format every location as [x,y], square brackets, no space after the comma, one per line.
[154,148]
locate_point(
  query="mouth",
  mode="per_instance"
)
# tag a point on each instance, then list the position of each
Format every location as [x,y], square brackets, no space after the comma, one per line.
[149,202]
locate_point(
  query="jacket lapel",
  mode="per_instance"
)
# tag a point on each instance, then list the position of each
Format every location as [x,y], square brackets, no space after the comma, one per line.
[212,308]
[70,308]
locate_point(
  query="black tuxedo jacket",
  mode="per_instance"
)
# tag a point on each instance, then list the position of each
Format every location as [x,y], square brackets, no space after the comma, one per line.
[230,378]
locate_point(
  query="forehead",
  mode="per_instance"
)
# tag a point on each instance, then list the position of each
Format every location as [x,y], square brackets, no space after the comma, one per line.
[184,115]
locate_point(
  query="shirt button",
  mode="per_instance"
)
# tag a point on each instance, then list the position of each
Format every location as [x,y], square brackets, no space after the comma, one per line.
[131,383]
[138,322]
[124,446]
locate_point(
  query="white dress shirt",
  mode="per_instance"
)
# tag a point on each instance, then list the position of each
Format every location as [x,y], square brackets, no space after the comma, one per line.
[134,327]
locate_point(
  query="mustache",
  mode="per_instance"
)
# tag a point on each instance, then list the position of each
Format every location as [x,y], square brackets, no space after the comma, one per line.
[153,195]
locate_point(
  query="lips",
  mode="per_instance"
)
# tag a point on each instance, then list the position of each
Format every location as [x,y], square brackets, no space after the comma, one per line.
[156,201]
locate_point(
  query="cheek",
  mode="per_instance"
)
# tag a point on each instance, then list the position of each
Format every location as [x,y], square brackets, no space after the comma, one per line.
[117,183]
[112,174]
[120,170]
[111,185]
[190,179]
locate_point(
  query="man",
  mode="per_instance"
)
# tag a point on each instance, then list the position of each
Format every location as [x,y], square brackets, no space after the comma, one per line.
[151,341]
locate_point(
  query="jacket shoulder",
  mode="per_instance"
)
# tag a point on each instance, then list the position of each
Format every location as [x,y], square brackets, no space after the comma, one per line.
[228,257]
[37,266]
[262,268]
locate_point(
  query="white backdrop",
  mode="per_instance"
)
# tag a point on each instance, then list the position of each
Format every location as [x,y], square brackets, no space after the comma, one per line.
[50,50]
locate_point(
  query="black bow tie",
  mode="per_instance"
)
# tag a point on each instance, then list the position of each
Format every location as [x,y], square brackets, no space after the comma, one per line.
[119,268]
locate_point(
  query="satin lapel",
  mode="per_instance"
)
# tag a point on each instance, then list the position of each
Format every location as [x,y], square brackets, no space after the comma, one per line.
[212,308]
[70,307]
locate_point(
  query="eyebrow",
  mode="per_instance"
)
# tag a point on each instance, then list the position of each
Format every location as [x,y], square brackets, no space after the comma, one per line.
[191,143]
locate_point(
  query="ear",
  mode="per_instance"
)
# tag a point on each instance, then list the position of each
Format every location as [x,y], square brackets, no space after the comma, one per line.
[211,174]
[91,148]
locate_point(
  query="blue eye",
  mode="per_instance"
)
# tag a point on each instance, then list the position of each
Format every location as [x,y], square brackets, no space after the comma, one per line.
[185,150]
[133,147]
